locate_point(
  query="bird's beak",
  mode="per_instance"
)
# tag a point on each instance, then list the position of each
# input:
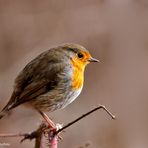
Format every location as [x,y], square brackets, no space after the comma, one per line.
[93,60]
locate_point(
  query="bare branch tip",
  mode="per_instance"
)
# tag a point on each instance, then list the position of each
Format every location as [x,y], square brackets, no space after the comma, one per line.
[108,112]
[114,117]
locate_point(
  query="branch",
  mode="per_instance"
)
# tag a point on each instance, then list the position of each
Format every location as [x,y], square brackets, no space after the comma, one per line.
[52,134]
[83,116]
[37,135]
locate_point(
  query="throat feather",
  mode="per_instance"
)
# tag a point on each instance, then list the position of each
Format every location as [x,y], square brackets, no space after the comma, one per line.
[78,76]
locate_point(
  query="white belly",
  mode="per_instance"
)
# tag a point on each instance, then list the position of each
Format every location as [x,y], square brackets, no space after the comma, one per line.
[71,97]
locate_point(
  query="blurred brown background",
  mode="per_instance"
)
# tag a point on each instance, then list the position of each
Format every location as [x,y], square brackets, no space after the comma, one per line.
[116,32]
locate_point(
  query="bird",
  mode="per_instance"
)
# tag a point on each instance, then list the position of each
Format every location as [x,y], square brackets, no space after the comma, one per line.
[51,81]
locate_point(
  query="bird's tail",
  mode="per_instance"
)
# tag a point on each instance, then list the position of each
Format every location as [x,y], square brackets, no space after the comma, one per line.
[3,113]
[8,107]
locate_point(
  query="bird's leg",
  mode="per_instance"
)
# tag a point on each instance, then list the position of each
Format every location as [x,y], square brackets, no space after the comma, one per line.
[50,123]
[48,120]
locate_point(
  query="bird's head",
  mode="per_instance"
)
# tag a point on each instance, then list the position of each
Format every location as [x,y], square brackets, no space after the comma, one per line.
[78,55]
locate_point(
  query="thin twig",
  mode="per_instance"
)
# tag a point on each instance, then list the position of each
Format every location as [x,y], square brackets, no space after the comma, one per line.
[12,135]
[83,116]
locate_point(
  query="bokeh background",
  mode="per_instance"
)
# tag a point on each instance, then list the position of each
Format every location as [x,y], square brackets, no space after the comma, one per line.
[116,32]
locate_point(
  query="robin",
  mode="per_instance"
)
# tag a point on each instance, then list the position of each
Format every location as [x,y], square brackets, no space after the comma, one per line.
[51,81]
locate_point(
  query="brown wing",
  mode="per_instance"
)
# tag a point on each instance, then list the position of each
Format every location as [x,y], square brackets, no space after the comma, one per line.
[38,77]
[32,91]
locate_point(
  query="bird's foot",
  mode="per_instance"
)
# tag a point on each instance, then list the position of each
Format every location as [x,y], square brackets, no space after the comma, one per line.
[51,125]
[52,130]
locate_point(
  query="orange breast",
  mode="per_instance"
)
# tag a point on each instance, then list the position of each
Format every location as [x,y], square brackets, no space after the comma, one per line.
[78,74]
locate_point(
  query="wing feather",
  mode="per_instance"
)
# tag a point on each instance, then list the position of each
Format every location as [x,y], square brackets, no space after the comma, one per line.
[38,77]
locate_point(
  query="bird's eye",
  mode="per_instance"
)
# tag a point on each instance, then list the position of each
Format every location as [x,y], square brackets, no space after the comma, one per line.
[80,55]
